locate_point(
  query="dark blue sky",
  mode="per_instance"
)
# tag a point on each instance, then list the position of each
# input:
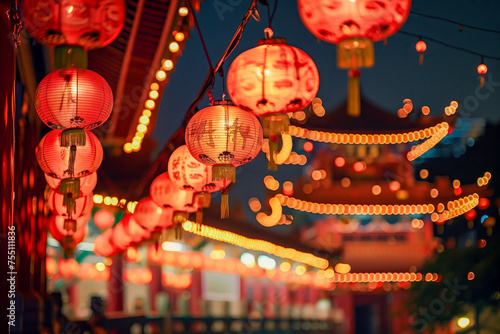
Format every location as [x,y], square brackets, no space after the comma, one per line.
[447,74]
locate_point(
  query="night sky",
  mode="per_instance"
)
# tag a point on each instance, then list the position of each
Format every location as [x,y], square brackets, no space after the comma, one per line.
[447,74]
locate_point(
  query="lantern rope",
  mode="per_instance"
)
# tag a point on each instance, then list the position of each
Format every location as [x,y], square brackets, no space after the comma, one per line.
[448,45]
[455,22]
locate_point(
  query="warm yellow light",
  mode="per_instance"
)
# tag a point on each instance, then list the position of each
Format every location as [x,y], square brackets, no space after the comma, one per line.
[70,9]
[137,139]
[285,266]
[127,148]
[146,113]
[114,201]
[154,86]
[426,110]
[287,186]
[179,37]
[342,268]
[424,173]
[329,273]
[300,270]
[434,193]
[144,120]
[131,206]
[153,94]
[376,189]
[217,254]
[463,322]
[150,104]
[136,145]
[316,175]
[142,128]
[100,266]
[167,64]
[183,11]
[161,75]
[107,200]
[173,47]
[139,134]
[98,199]
[345,182]
[254,204]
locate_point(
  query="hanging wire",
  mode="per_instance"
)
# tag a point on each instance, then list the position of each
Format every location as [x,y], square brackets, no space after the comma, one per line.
[447,45]
[455,22]
[200,34]
[178,136]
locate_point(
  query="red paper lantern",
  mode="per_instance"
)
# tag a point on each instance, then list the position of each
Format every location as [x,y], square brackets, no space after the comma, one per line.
[225,137]
[62,158]
[69,267]
[103,245]
[484,203]
[334,21]
[86,23]
[134,230]
[150,216]
[421,46]
[87,183]
[56,227]
[189,174]
[104,219]
[165,193]
[471,214]
[273,78]
[482,69]
[73,98]
[83,205]
[119,238]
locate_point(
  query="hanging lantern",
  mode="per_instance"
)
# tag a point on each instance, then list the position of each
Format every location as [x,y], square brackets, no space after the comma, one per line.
[190,174]
[271,80]
[68,238]
[481,70]
[81,206]
[89,24]
[150,216]
[69,155]
[354,26]
[166,194]
[421,46]
[119,238]
[470,216]
[483,204]
[73,98]
[104,219]
[87,271]
[87,183]
[134,230]
[60,155]
[103,245]
[488,223]
[225,137]
[68,267]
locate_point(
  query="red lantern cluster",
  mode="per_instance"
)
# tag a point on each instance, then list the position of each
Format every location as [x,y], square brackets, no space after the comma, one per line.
[85,23]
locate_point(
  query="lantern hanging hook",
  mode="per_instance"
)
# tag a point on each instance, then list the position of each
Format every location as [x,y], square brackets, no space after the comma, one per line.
[268,33]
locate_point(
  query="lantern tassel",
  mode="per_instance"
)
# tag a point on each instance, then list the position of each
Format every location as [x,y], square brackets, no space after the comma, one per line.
[67,245]
[70,225]
[421,59]
[353,94]
[221,172]
[73,137]
[273,150]
[199,218]
[482,81]
[224,204]
[70,203]
[470,224]
[71,189]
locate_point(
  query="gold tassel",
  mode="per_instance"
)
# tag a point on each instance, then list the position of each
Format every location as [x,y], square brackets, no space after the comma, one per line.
[224,204]
[70,225]
[353,94]
[75,136]
[470,224]
[199,217]
[204,199]
[421,59]
[482,81]
[70,203]
[273,150]
[70,186]
[221,172]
